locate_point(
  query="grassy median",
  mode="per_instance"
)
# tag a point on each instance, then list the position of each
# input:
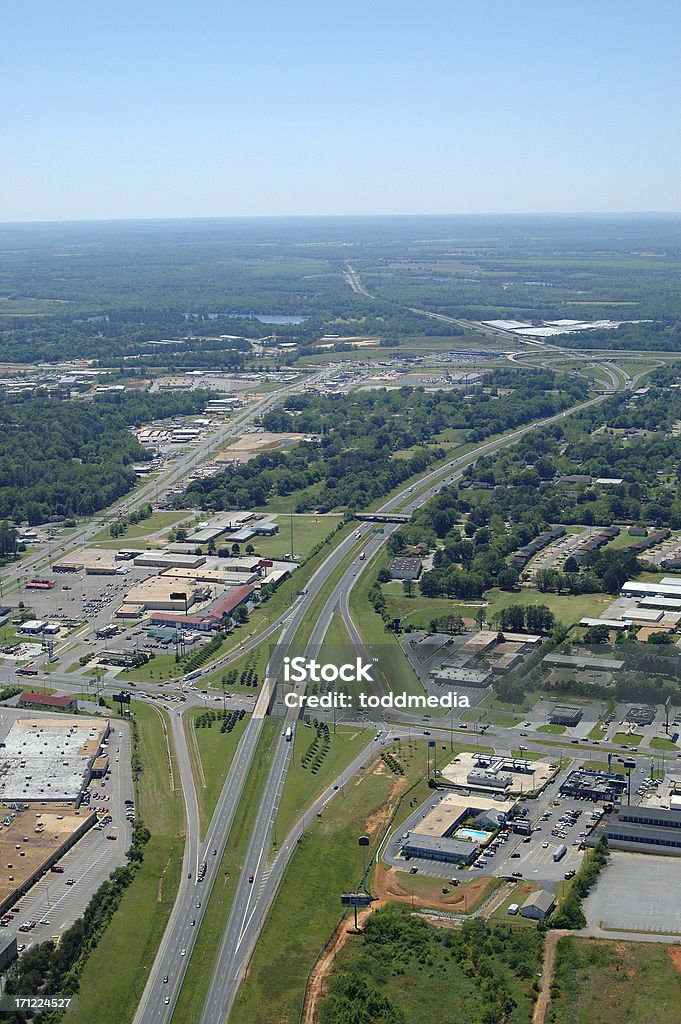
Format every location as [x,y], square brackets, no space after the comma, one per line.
[114,977]
[200,970]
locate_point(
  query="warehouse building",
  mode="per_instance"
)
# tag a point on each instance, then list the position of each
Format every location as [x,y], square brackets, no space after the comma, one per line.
[664,588]
[405,568]
[645,830]
[50,759]
[169,560]
[579,664]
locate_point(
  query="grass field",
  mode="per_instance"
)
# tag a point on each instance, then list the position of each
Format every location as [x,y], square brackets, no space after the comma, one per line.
[556,729]
[211,753]
[255,659]
[325,864]
[308,530]
[487,717]
[116,971]
[417,611]
[302,786]
[393,668]
[632,739]
[138,531]
[197,980]
[661,743]
[529,700]
[567,609]
[599,982]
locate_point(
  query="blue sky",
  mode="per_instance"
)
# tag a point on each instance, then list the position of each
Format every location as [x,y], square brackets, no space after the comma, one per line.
[212,108]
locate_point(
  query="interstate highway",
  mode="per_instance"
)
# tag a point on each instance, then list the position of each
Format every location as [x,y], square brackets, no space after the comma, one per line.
[241,932]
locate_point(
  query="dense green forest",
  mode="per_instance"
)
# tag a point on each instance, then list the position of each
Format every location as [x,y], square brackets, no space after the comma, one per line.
[477,527]
[403,970]
[72,458]
[110,290]
[350,461]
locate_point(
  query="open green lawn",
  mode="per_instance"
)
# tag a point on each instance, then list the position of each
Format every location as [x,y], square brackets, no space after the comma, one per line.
[600,982]
[489,717]
[197,980]
[393,668]
[211,752]
[308,530]
[528,755]
[662,743]
[138,531]
[417,611]
[566,608]
[116,971]
[557,729]
[303,784]
[530,699]
[631,738]
[326,863]
[596,766]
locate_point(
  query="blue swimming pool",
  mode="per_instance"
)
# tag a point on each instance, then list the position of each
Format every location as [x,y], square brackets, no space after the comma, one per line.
[472,833]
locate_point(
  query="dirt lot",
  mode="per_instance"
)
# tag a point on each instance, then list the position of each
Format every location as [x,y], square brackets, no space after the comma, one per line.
[250,445]
[391,884]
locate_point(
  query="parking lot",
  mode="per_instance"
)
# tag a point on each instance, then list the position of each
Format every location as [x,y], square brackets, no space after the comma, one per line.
[636,892]
[554,821]
[531,857]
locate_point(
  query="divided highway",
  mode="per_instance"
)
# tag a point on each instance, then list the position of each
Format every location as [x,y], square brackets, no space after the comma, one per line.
[252,898]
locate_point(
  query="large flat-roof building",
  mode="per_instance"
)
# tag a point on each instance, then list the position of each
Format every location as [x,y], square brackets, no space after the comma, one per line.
[50,759]
[645,830]
[594,785]
[169,560]
[452,851]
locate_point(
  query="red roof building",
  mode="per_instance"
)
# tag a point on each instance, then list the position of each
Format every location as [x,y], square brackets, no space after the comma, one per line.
[47,701]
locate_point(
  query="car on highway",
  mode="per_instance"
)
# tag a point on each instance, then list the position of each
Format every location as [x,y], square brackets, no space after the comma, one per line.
[165,979]
[183,952]
[251,878]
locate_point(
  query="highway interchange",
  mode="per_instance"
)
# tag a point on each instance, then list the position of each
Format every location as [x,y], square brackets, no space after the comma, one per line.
[252,898]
